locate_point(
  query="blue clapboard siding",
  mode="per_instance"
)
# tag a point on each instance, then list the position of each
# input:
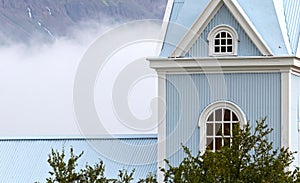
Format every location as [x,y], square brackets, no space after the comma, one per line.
[257,94]
[26,160]
[223,16]
[292,18]
[295,115]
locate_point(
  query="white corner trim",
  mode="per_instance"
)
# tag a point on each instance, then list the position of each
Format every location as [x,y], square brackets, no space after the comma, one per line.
[298,49]
[278,4]
[206,16]
[213,106]
[164,26]
[199,25]
[285,108]
[162,136]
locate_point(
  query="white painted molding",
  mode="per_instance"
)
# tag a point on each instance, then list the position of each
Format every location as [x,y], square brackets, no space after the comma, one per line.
[211,38]
[225,64]
[161,141]
[285,109]
[206,16]
[213,106]
[298,120]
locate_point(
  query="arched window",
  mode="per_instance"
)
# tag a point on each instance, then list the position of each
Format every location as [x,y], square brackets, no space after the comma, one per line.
[222,40]
[216,124]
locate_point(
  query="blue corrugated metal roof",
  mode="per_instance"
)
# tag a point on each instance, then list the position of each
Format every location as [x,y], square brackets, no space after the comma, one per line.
[25,160]
[292,18]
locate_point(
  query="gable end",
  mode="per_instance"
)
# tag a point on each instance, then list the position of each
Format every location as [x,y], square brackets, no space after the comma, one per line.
[245,46]
[205,18]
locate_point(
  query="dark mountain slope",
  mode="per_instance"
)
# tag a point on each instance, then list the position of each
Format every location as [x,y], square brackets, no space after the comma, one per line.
[23,20]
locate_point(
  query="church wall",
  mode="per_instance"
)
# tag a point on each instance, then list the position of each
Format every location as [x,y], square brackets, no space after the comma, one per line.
[257,94]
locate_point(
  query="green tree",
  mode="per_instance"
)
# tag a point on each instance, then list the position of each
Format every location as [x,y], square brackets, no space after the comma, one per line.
[250,158]
[64,171]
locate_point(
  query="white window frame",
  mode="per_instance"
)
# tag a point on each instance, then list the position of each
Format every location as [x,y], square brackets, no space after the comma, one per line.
[213,107]
[211,40]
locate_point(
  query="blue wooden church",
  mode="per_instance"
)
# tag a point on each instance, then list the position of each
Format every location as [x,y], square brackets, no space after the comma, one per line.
[221,62]
[224,61]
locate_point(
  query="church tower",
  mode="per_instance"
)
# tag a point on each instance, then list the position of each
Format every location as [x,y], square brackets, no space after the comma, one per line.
[223,62]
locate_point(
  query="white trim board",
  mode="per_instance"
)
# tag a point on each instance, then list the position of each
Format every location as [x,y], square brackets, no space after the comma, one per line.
[164,26]
[286,109]
[202,21]
[225,63]
[161,120]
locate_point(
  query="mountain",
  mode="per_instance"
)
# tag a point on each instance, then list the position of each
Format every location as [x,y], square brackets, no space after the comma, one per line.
[24,20]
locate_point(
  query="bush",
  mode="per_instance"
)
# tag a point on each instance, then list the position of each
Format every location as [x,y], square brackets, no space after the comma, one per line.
[250,158]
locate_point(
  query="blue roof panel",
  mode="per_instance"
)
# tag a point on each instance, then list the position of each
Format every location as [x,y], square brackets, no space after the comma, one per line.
[26,160]
[292,18]
[183,15]
[263,16]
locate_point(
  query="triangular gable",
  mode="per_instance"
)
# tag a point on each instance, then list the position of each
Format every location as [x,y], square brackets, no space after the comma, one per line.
[246,47]
[210,11]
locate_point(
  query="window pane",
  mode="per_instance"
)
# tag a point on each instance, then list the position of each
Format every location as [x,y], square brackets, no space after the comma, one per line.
[217,41]
[223,49]
[211,117]
[218,129]
[223,41]
[209,143]
[218,35]
[228,35]
[218,114]
[209,129]
[229,41]
[218,143]
[226,115]
[217,49]
[223,34]
[234,118]
[229,49]
[226,128]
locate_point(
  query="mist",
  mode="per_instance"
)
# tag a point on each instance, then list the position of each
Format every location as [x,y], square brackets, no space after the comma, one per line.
[37,80]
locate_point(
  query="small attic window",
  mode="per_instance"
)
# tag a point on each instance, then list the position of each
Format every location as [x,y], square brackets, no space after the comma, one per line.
[222,40]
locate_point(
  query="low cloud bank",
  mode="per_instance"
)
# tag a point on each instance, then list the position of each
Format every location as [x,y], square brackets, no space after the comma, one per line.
[36,85]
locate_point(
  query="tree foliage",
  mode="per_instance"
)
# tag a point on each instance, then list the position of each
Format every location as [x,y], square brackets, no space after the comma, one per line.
[250,158]
[65,171]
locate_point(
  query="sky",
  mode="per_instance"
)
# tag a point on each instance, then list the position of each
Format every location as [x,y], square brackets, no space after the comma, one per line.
[38,83]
